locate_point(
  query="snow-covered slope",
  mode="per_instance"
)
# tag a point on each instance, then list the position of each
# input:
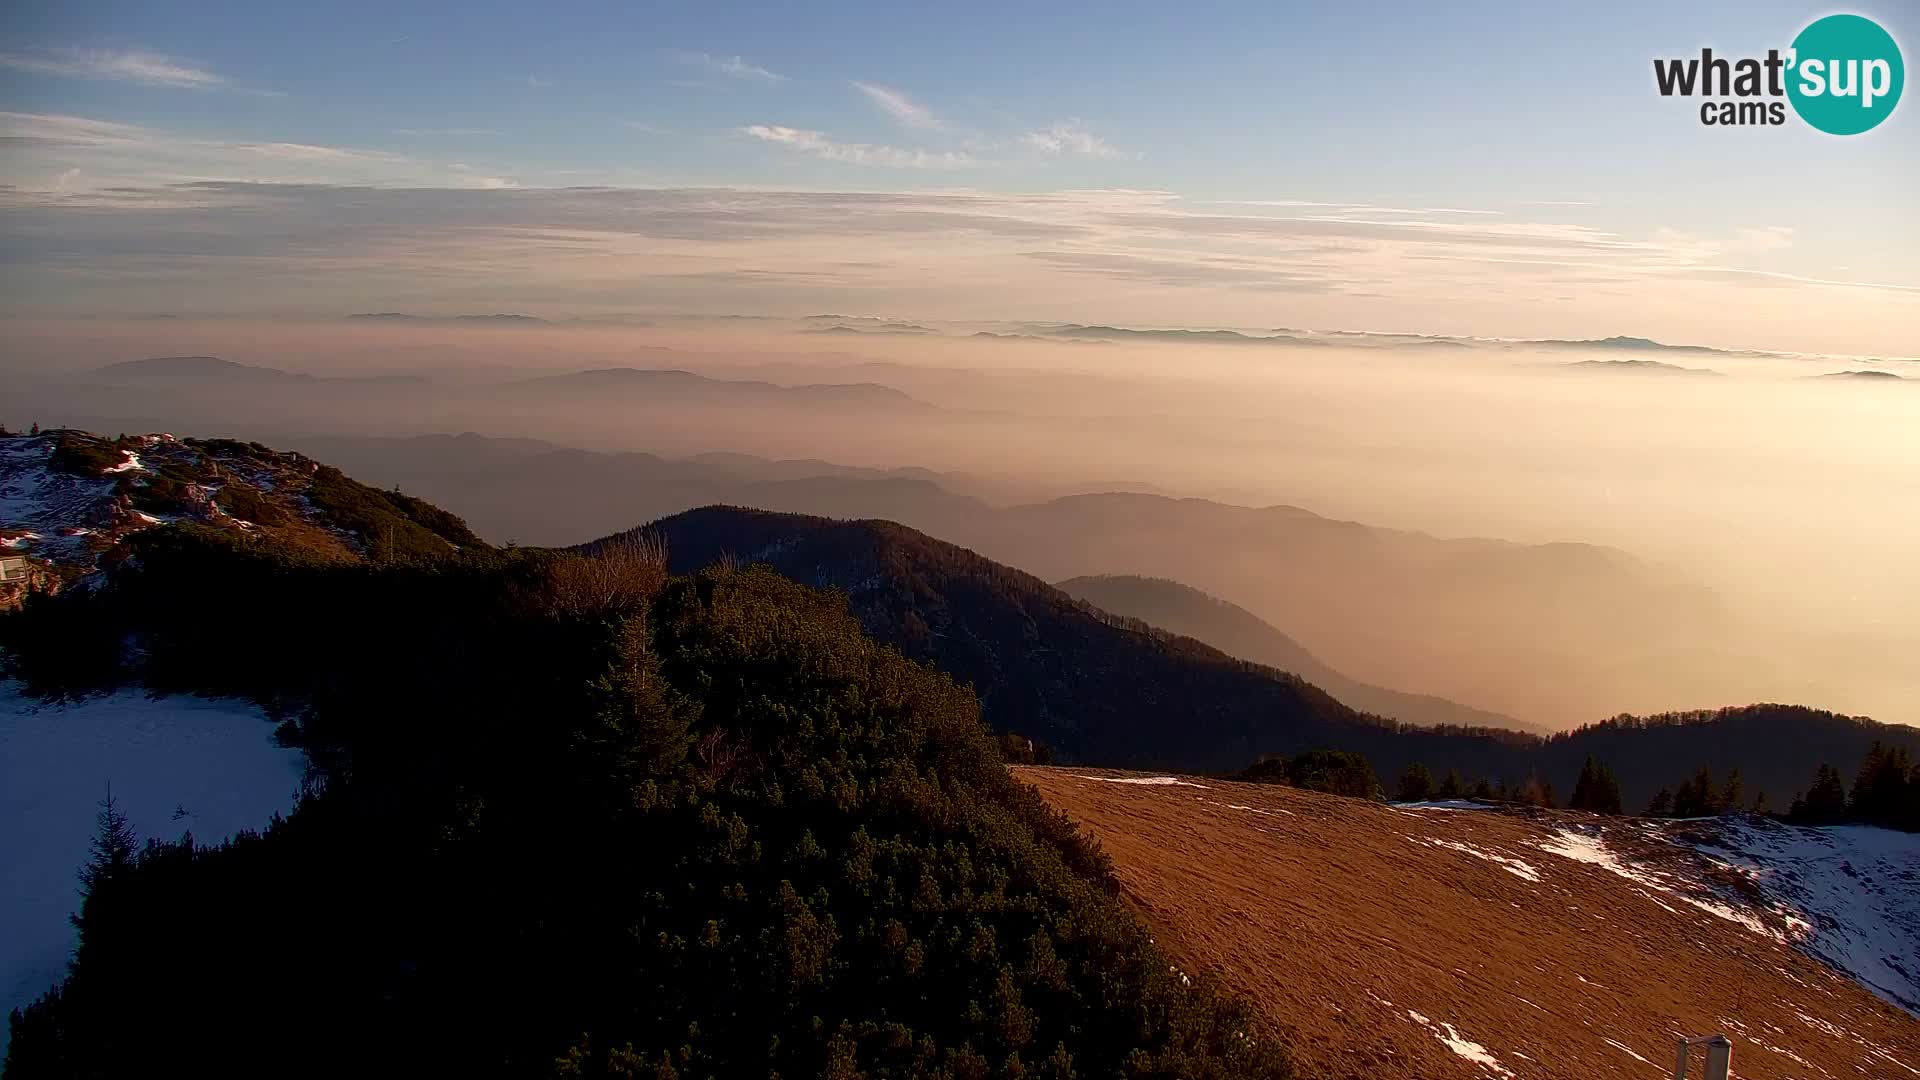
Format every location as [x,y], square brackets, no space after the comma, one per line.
[174,765]
[67,499]
[67,496]
[1855,888]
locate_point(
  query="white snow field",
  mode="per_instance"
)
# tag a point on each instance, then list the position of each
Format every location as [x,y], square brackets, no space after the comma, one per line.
[175,765]
[1846,895]
[1856,887]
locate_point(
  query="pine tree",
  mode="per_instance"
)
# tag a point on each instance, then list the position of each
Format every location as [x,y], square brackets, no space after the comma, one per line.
[1662,804]
[1825,802]
[113,854]
[1728,800]
[1880,785]
[1450,787]
[1597,790]
[1695,797]
[112,851]
[1416,783]
[1910,805]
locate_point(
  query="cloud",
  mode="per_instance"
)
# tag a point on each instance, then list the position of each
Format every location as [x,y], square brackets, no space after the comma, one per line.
[55,130]
[733,67]
[448,132]
[1341,209]
[485,183]
[1766,238]
[402,227]
[284,151]
[1190,270]
[148,69]
[1069,137]
[820,146]
[104,154]
[898,105]
[535,82]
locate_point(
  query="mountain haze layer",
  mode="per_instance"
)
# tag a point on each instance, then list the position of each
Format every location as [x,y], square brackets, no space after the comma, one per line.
[1238,632]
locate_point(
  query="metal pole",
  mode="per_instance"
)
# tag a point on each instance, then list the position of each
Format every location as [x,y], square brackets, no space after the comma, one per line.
[1719,1057]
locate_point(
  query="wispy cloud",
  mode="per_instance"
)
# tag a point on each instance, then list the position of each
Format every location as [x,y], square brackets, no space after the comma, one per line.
[148,69]
[97,155]
[820,145]
[1069,137]
[285,151]
[74,241]
[73,131]
[1348,210]
[448,132]
[535,82]
[1764,238]
[733,67]
[485,183]
[898,105]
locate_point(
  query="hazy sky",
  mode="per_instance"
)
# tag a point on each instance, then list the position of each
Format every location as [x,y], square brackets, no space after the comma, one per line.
[1500,169]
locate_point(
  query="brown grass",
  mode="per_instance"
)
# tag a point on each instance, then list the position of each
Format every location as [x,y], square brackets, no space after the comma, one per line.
[1340,918]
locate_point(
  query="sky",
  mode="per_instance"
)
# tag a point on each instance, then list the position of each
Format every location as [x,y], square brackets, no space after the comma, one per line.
[1498,169]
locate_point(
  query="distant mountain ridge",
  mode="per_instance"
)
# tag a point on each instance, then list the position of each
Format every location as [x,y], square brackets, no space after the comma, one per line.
[1110,690]
[497,319]
[679,384]
[1294,337]
[1238,632]
[1657,367]
[1859,375]
[214,369]
[1451,617]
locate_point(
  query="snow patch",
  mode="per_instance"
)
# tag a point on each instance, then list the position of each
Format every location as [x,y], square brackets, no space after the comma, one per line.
[1151,781]
[1590,849]
[1517,867]
[1851,894]
[1462,1045]
[175,764]
[1625,1049]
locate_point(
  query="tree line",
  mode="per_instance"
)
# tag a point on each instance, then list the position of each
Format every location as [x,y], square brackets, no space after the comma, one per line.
[572,816]
[1885,792]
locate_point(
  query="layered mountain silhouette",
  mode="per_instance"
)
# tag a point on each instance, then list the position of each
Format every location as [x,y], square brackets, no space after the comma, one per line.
[1105,689]
[1643,367]
[657,386]
[1238,632]
[1093,686]
[214,370]
[1553,634]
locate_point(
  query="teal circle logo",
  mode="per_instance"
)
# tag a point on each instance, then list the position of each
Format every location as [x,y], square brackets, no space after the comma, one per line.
[1846,74]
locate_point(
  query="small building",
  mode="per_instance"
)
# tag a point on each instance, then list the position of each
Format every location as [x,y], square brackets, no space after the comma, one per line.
[15,568]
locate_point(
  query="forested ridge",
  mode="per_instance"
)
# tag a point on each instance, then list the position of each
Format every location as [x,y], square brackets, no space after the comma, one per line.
[1109,690]
[571,816]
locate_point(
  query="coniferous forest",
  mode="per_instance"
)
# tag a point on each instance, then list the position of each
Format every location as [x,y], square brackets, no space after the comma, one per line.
[570,816]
